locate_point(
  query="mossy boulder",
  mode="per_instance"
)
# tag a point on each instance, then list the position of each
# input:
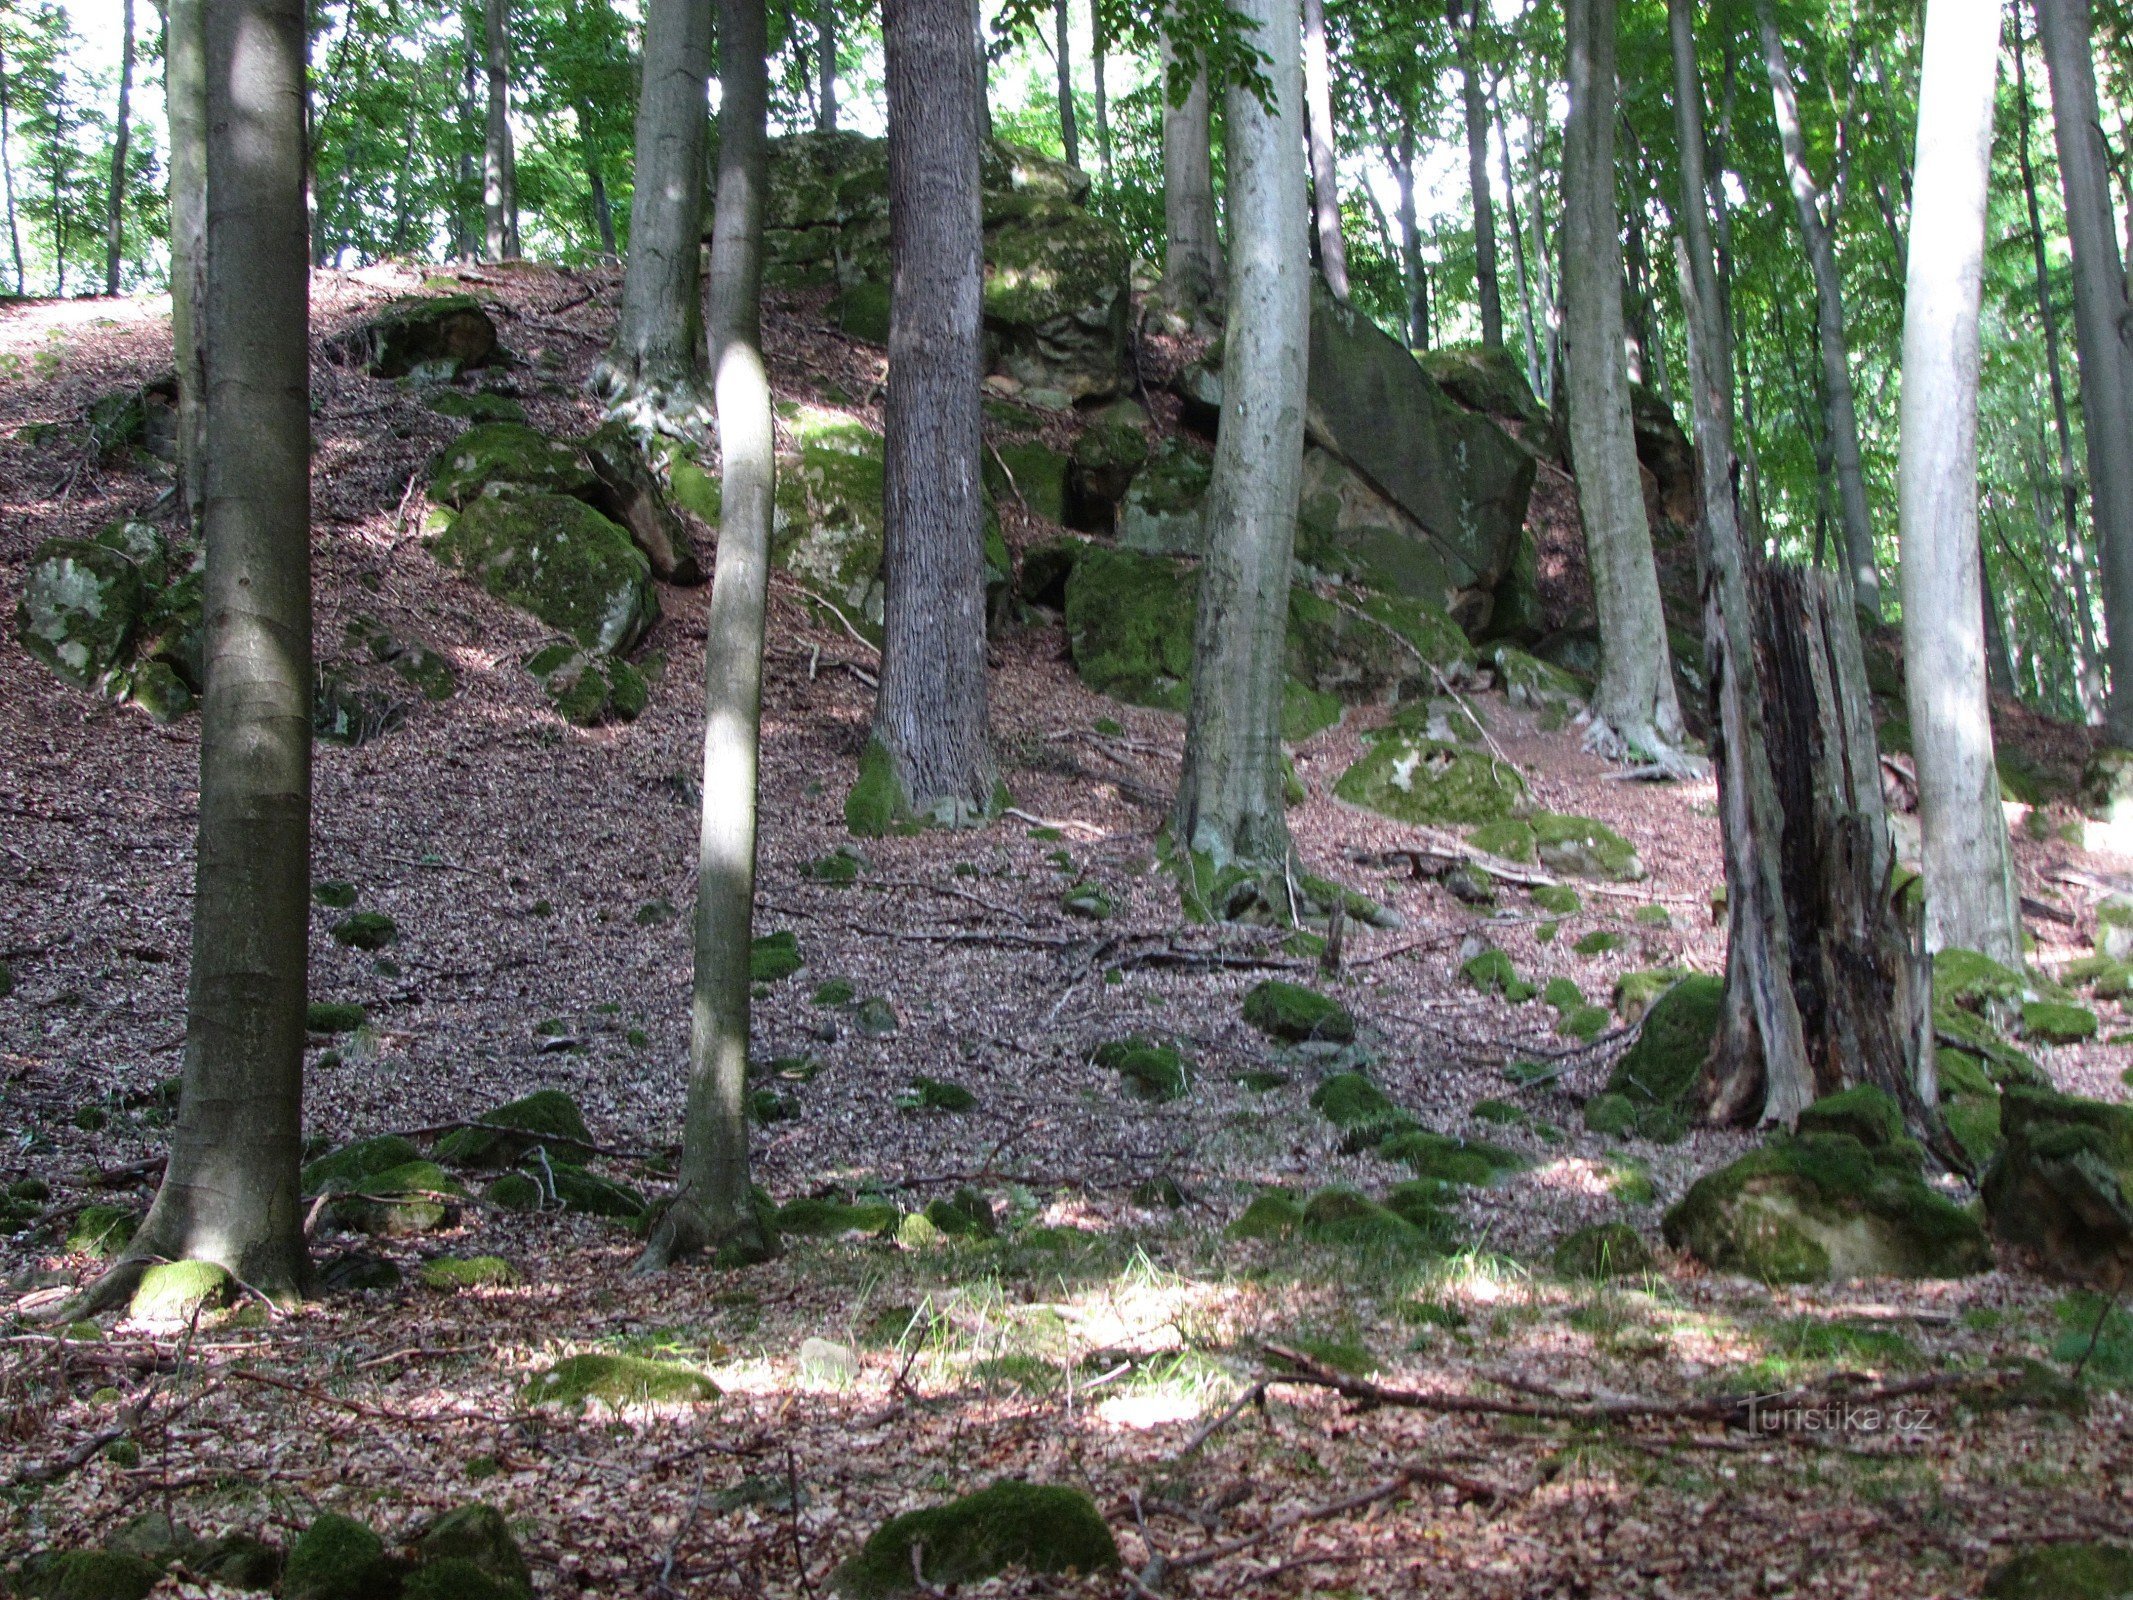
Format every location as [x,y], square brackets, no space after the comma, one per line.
[427,336]
[365,930]
[559,1185]
[508,455]
[416,1197]
[177,1291]
[1430,782]
[1272,1214]
[80,603]
[1612,1115]
[966,1214]
[86,1575]
[1662,1066]
[1822,1208]
[455,1578]
[1290,1011]
[774,956]
[545,1118]
[1635,992]
[1150,1068]
[333,1016]
[1484,378]
[1864,1111]
[1160,514]
[1366,649]
[1444,1159]
[478,1535]
[453,1273]
[475,405]
[345,1170]
[1041,1527]
[338,1558]
[828,529]
[936,1094]
[1973,981]
[1583,848]
[1490,970]
[1364,1113]
[831,1219]
[2091,1571]
[586,688]
[2058,1022]
[1605,1250]
[240,1561]
[1107,455]
[1129,620]
[102,1231]
[558,558]
[1343,1217]
[616,1381]
[2061,1188]
[1032,472]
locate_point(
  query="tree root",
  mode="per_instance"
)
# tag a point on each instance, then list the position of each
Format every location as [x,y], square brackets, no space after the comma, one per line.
[686,1229]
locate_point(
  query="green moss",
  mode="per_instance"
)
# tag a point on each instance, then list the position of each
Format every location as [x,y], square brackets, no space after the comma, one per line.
[774,956]
[478,1536]
[1583,848]
[87,1575]
[1272,1214]
[1662,1066]
[336,893]
[451,1273]
[1821,1207]
[1563,994]
[1152,1070]
[366,930]
[1012,1524]
[2106,977]
[1606,1250]
[965,1214]
[1438,1156]
[616,1381]
[1974,1120]
[1583,1023]
[338,1558]
[1360,1109]
[838,868]
[453,1578]
[1965,978]
[2057,1023]
[334,1016]
[1430,782]
[934,1094]
[559,559]
[1556,898]
[877,804]
[1089,900]
[546,1116]
[1864,1111]
[1491,972]
[1420,1202]
[1129,620]
[173,1291]
[1598,942]
[477,406]
[240,1561]
[1610,1114]
[349,1167]
[830,1219]
[875,1017]
[1339,1216]
[1635,991]
[416,1197]
[2095,1571]
[102,1231]
[1291,1011]
[1512,839]
[507,453]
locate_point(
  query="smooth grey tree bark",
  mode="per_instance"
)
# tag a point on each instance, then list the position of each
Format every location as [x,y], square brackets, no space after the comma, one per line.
[1473,97]
[185,99]
[230,1191]
[653,372]
[1412,268]
[1192,249]
[603,214]
[499,171]
[121,140]
[713,1207]
[1063,58]
[1634,710]
[7,174]
[1229,813]
[1099,55]
[1325,173]
[2103,330]
[1970,898]
[826,67]
[930,744]
[1840,413]
[1515,232]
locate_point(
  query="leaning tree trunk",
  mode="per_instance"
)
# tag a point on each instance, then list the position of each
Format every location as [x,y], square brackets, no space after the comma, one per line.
[185,97]
[1840,413]
[930,745]
[1229,815]
[230,1191]
[714,1207]
[1069,135]
[1477,174]
[653,372]
[1325,173]
[2103,331]
[1970,900]
[1634,711]
[1192,250]
[499,176]
[122,136]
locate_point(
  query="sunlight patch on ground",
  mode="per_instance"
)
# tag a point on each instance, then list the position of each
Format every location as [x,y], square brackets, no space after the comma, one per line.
[1575,1175]
[28,324]
[1154,1409]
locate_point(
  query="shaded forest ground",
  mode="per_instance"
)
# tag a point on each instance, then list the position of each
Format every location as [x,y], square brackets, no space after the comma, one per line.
[535,871]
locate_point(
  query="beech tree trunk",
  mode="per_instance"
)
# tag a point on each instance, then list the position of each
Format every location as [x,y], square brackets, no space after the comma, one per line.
[229,1194]
[714,1207]
[1325,175]
[653,373]
[1634,711]
[1840,413]
[1514,231]
[1069,135]
[596,181]
[469,197]
[499,173]
[1412,267]
[1970,899]
[185,97]
[1229,812]
[826,67]
[1474,100]
[2103,330]
[1192,254]
[122,137]
[7,175]
[1099,50]
[930,710]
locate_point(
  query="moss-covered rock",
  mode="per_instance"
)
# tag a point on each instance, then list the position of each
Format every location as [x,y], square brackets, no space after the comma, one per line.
[81,601]
[547,1118]
[559,1185]
[1340,1216]
[425,336]
[1444,1159]
[1160,514]
[1662,1066]
[1605,1250]
[2094,1571]
[1272,1214]
[507,454]
[1290,1011]
[176,1291]
[334,1016]
[1150,1068]
[616,1381]
[831,1219]
[1129,620]
[1490,970]
[1610,1114]
[1046,567]
[102,1231]
[1865,1112]
[586,688]
[1957,1031]
[2061,1188]
[455,1578]
[1583,848]
[475,405]
[453,1273]
[1040,1527]
[1823,1208]
[1970,980]
[416,1197]
[1364,1113]
[478,1535]
[558,558]
[966,1214]
[87,1575]
[1430,782]
[1106,457]
[365,930]
[774,956]
[345,1170]
[338,1558]
[1635,992]
[2058,1022]
[936,1094]
[240,1561]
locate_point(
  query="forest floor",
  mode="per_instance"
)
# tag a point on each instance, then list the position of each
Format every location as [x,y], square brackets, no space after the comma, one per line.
[534,869]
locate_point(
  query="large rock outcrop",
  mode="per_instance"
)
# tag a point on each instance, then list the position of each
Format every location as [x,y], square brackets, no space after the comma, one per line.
[2061,1188]
[1056,300]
